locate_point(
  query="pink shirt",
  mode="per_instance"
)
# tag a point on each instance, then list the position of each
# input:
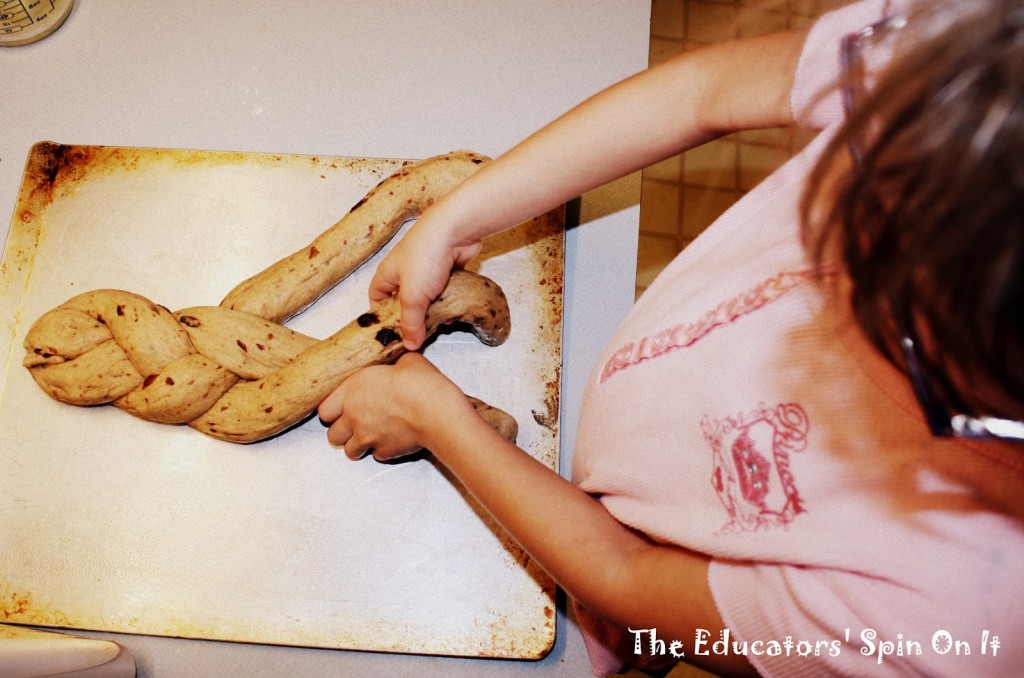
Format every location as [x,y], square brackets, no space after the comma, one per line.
[740,413]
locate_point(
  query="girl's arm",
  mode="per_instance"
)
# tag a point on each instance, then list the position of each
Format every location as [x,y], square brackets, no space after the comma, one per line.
[612,570]
[646,118]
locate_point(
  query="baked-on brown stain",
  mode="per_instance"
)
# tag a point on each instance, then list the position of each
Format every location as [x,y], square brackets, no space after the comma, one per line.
[542,271]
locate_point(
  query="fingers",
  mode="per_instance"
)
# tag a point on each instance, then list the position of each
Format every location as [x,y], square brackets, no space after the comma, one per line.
[330,408]
[340,435]
[412,322]
[369,413]
[356,450]
[329,411]
[382,285]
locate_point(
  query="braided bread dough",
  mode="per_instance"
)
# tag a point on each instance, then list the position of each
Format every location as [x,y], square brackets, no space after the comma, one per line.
[233,371]
[292,284]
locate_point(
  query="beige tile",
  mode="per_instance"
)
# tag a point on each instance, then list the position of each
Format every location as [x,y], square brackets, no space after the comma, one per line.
[802,137]
[799,21]
[777,138]
[668,19]
[804,7]
[659,208]
[701,206]
[757,162]
[812,7]
[708,22]
[683,195]
[653,254]
[713,164]
[661,50]
[678,671]
[762,22]
[666,170]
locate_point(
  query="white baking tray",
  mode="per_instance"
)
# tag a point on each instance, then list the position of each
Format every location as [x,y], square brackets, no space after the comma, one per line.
[116,524]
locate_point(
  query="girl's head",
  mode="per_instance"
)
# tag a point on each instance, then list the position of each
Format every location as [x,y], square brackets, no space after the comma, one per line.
[921,197]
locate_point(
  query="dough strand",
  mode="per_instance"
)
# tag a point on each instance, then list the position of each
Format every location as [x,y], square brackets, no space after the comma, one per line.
[233,371]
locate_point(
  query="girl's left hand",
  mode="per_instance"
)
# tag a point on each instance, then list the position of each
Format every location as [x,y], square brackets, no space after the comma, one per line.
[389,410]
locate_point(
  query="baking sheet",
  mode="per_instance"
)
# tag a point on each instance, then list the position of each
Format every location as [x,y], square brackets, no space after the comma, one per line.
[116,524]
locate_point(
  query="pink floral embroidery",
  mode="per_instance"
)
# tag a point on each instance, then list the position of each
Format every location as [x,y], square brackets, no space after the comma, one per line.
[751,473]
[687,334]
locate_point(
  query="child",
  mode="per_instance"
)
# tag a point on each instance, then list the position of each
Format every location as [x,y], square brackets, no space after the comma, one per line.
[768,454]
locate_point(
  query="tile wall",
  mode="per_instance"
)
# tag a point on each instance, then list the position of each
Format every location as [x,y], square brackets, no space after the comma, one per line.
[683,195]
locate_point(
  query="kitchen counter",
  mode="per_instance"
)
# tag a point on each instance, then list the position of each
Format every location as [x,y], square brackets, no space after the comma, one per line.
[354,78]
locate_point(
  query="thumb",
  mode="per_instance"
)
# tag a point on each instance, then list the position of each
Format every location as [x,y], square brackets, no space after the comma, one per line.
[412,320]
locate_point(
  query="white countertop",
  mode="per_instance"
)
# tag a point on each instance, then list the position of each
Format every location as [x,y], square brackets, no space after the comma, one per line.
[343,78]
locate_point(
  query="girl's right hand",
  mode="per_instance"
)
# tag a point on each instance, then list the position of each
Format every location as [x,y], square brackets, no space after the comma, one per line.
[417,269]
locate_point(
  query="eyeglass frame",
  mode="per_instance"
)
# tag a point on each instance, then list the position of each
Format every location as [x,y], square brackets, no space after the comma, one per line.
[941,420]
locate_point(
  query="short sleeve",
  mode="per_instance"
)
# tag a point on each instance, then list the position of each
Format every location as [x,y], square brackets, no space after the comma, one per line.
[815,97]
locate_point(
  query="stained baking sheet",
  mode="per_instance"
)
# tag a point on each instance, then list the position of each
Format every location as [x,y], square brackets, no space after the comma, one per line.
[112,523]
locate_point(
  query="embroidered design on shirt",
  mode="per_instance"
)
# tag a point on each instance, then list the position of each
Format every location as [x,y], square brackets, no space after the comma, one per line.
[687,334]
[751,473]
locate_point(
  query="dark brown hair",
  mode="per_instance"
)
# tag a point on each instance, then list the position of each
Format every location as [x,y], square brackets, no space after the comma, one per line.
[930,227]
